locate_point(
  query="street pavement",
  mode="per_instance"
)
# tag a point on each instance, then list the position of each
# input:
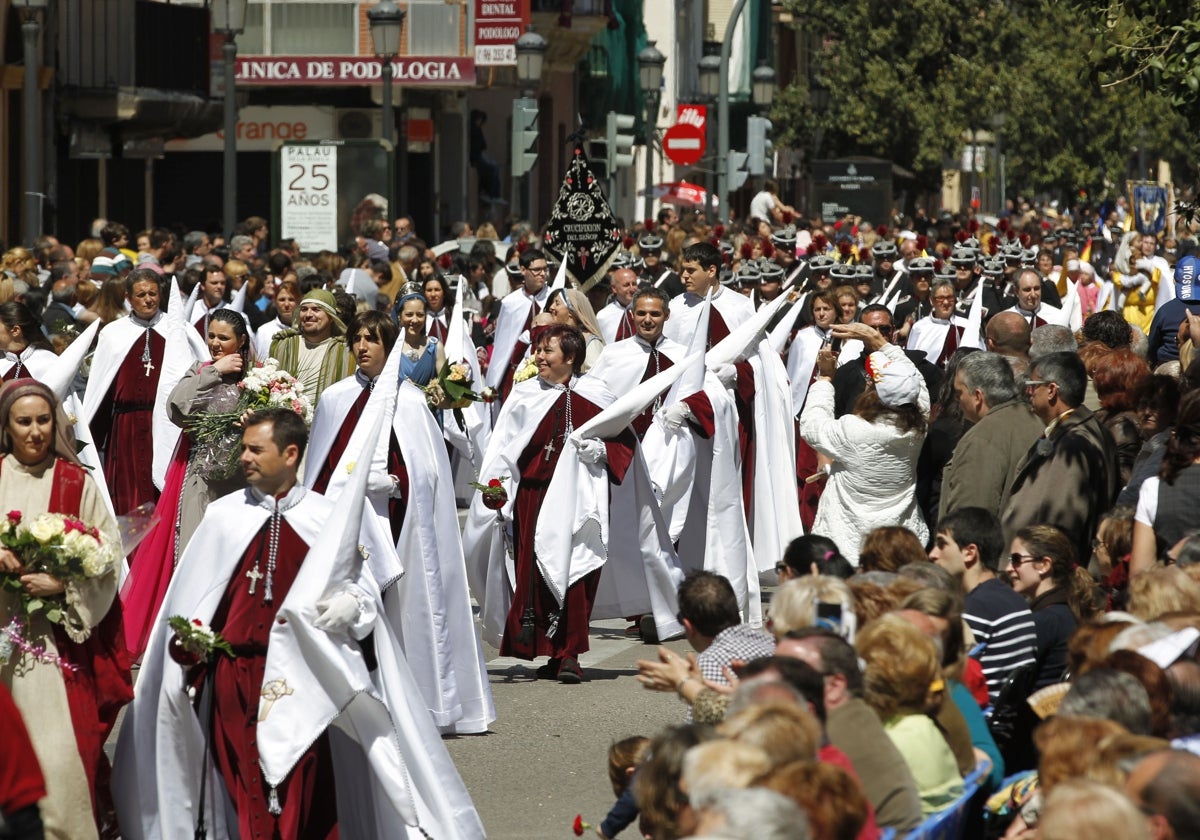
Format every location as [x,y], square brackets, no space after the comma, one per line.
[545,758]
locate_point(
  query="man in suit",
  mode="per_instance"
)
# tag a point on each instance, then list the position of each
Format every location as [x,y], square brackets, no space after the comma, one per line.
[1070,476]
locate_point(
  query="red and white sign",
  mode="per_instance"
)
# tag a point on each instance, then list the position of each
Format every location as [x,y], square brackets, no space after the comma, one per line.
[422,71]
[696,115]
[684,144]
[498,25]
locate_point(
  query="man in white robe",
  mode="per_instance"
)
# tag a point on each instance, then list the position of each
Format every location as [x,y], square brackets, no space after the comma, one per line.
[616,319]
[517,311]
[701,263]
[1030,305]
[941,332]
[124,405]
[310,623]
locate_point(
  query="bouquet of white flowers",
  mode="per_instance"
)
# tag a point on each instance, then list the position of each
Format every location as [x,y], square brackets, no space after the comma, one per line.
[59,545]
[215,434]
[266,386]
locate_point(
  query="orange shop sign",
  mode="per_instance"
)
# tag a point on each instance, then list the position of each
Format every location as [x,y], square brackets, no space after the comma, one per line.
[262,128]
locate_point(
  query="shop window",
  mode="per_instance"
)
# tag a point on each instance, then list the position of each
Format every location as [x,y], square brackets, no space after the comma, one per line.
[433,29]
[313,29]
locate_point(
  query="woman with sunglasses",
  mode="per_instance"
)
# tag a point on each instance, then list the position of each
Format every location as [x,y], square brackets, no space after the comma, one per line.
[1061,595]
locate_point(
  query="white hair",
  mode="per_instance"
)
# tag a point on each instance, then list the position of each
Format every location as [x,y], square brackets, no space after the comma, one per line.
[759,814]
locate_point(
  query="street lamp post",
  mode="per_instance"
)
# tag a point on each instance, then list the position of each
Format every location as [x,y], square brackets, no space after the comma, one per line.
[723,107]
[650,64]
[386,20]
[997,121]
[229,19]
[531,53]
[31,152]
[710,68]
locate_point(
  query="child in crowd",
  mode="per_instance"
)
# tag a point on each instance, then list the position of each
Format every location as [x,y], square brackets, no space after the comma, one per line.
[624,756]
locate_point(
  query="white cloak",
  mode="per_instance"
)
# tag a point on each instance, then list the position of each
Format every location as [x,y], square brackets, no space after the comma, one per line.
[571,533]
[510,323]
[182,349]
[160,748]
[430,607]
[928,335]
[1049,314]
[609,319]
[735,309]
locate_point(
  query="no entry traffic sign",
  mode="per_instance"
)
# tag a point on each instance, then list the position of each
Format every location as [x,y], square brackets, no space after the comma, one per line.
[684,144]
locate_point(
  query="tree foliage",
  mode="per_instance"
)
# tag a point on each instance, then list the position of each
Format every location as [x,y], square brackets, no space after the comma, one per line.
[906,80]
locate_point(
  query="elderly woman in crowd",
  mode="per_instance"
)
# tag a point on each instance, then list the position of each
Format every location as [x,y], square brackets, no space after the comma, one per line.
[902,674]
[874,450]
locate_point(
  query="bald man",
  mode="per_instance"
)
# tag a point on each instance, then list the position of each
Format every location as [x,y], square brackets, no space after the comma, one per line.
[1007,333]
[616,319]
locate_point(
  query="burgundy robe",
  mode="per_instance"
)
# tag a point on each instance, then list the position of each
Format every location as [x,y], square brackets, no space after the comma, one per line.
[743,395]
[571,636]
[626,327]
[395,463]
[123,427]
[307,796]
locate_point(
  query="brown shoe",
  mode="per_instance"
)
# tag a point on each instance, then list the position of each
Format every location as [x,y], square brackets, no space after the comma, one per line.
[569,671]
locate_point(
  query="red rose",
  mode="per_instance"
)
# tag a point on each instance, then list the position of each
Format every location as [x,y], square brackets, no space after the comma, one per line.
[14,516]
[495,482]
[197,622]
[579,825]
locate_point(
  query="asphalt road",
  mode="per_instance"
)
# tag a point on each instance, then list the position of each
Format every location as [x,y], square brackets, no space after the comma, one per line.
[544,760]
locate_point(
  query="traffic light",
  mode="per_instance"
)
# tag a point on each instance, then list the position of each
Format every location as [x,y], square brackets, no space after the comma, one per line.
[758,145]
[524,135]
[737,170]
[619,138]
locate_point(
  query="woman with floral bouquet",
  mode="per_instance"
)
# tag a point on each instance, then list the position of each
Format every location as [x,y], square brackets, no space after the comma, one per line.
[61,651]
[207,403]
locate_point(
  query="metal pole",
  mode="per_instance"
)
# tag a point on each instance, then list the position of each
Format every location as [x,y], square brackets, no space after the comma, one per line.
[723,110]
[651,119]
[32,151]
[710,212]
[229,161]
[389,122]
[999,173]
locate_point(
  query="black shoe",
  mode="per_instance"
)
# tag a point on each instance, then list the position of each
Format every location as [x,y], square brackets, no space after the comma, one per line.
[569,671]
[649,631]
[549,671]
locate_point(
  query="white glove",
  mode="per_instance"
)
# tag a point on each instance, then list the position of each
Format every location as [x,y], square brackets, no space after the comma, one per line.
[673,417]
[382,484]
[727,374]
[337,612]
[591,450]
